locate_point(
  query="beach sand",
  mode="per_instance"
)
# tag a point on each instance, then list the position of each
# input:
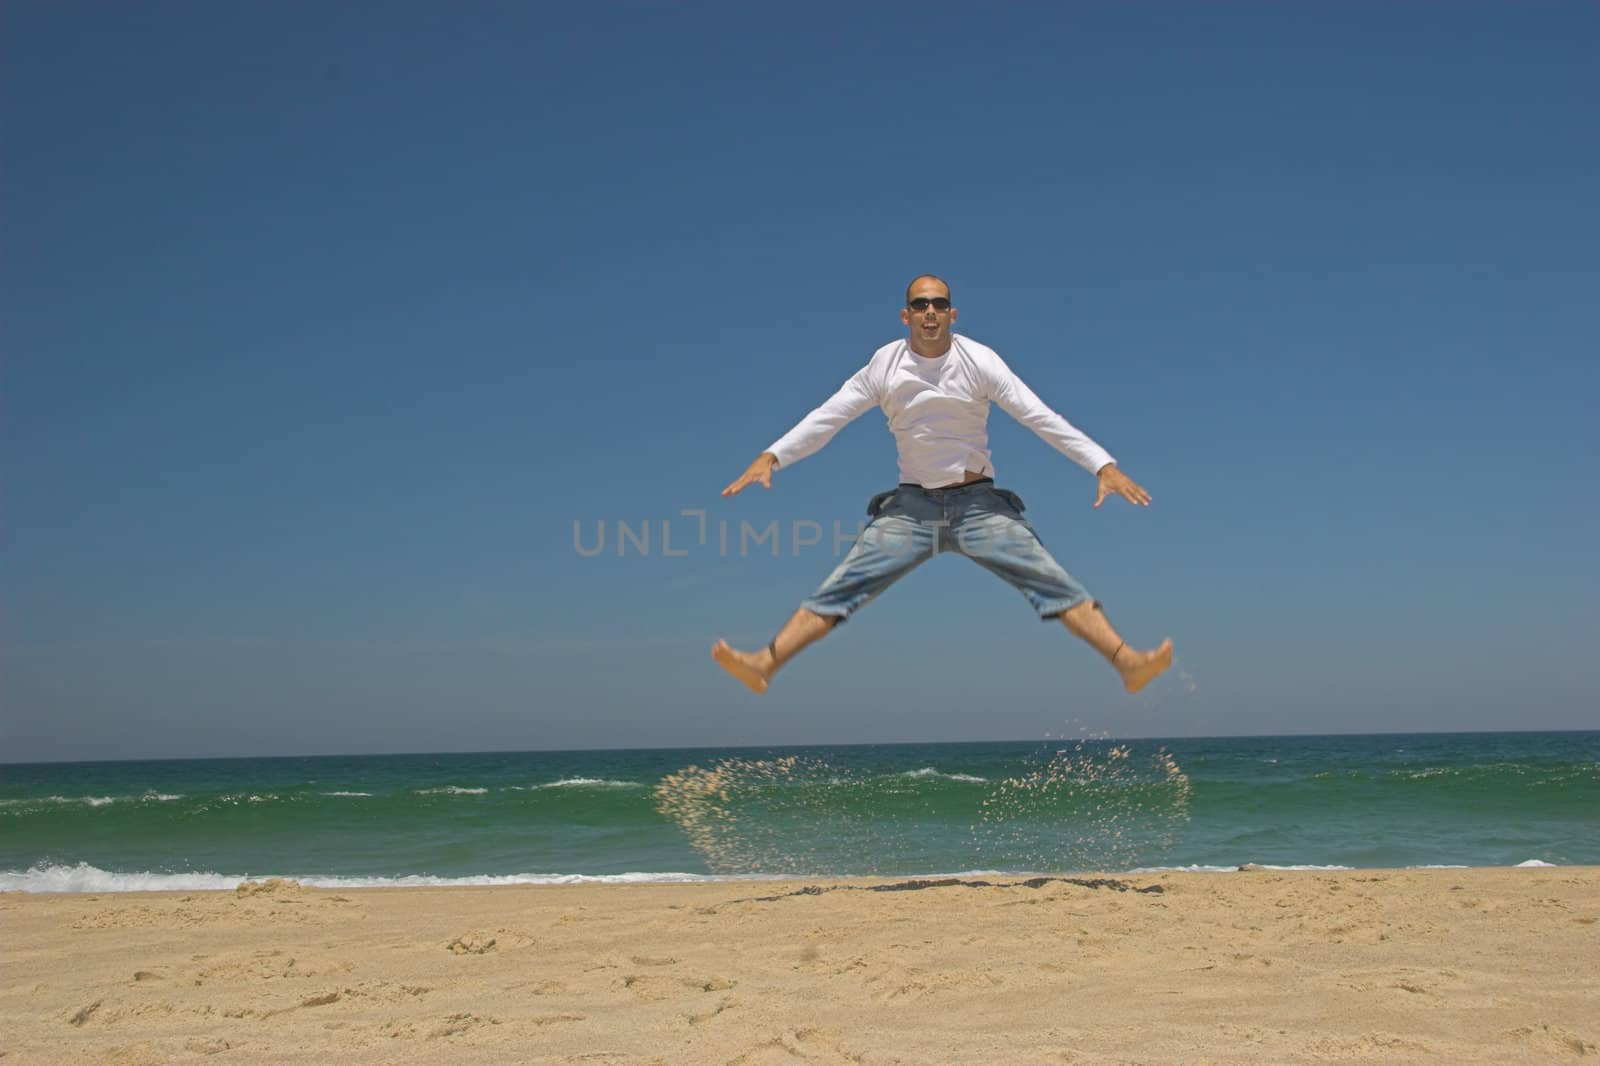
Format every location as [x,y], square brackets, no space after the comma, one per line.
[1382,966]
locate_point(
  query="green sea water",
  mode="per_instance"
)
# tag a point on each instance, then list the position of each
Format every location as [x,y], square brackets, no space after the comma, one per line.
[1389,800]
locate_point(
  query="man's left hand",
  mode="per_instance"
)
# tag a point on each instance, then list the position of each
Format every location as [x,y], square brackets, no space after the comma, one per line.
[1113,480]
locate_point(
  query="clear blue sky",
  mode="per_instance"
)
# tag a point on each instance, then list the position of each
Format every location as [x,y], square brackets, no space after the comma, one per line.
[323,323]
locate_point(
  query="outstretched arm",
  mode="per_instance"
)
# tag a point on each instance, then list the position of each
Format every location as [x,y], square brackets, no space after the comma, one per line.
[853,399]
[1019,401]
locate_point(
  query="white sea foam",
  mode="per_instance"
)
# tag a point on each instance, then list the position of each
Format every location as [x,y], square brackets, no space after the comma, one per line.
[928,771]
[242,797]
[451,790]
[589,782]
[253,797]
[1304,866]
[1534,862]
[27,801]
[85,878]
[90,801]
[344,793]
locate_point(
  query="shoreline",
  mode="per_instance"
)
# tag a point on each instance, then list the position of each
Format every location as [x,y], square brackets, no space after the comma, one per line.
[1481,964]
[93,880]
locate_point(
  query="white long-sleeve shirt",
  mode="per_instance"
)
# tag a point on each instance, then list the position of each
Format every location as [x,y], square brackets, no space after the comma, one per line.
[938,411]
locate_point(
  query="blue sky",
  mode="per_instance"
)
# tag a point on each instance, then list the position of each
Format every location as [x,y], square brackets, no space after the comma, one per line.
[324,324]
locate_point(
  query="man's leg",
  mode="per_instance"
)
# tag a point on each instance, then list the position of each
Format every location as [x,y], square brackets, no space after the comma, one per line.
[896,541]
[992,533]
[1138,668]
[755,668]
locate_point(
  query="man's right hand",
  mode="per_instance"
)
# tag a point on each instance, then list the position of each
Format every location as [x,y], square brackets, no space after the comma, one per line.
[760,470]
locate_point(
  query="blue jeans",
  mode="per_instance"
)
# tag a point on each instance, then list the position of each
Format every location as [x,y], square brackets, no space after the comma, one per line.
[909,525]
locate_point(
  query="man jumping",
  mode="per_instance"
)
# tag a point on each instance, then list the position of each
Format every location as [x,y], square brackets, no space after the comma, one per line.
[935,387]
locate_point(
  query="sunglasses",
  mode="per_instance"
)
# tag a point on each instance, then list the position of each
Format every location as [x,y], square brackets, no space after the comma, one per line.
[922,303]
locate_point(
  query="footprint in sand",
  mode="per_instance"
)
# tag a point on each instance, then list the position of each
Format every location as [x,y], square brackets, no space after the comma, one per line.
[807,1045]
[85,1013]
[471,944]
[451,1025]
[1549,1039]
[207,1047]
[482,941]
[664,986]
[701,1019]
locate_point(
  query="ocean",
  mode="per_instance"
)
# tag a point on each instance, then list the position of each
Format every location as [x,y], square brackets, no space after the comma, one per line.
[1052,806]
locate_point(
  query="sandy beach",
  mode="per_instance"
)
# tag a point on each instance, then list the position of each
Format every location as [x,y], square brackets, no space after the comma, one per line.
[1443,966]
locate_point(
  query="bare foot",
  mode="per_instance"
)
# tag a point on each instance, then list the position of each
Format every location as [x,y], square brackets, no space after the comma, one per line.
[1139,668]
[749,667]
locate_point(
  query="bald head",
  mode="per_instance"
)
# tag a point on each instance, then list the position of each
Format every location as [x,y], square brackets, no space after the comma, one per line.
[927,277]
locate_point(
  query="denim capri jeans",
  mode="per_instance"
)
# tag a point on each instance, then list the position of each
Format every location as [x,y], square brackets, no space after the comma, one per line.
[910,525]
